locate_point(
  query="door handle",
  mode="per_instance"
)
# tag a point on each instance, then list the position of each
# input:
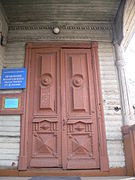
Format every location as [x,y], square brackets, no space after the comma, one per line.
[64,122]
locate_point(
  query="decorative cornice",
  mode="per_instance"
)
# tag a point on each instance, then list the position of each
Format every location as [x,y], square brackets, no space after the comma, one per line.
[31,32]
[81,27]
[58,38]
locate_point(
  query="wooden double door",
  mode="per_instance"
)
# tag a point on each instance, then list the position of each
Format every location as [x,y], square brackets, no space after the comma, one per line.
[62,110]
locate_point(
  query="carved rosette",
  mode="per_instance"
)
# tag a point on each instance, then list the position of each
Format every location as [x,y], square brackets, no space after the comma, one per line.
[46,79]
[77,80]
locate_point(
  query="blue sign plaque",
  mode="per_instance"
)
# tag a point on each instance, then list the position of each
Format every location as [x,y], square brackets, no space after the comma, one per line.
[11,103]
[13,78]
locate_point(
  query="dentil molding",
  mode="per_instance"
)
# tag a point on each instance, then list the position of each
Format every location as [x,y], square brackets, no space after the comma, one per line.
[62,26]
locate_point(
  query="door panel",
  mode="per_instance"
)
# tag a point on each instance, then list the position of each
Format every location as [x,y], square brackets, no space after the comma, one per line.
[45,84]
[81,129]
[46,131]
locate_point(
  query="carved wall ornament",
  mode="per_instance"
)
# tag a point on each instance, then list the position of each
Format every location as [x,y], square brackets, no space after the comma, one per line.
[69,26]
[68,31]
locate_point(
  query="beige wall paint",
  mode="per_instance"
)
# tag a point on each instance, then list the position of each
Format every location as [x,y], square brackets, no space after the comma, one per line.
[111,99]
[9,140]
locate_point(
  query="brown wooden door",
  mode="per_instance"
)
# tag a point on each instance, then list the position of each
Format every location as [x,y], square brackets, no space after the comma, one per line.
[62,115]
[45,125]
[80,145]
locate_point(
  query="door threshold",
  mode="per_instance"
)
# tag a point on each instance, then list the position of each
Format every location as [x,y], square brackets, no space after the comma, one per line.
[60,172]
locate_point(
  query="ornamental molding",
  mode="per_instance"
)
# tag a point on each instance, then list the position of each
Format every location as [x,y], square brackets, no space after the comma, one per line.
[77,27]
[60,38]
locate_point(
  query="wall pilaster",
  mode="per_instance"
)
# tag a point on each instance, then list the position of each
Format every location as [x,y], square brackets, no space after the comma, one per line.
[127,110]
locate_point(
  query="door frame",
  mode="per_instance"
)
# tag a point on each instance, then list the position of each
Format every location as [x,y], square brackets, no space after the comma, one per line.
[103,158]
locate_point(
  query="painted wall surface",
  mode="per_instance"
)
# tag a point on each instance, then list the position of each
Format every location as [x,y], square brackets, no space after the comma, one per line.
[111,99]
[15,56]
[2,56]
[9,140]
[4,31]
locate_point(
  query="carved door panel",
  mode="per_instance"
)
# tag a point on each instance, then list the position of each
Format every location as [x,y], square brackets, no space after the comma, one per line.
[80,140]
[45,146]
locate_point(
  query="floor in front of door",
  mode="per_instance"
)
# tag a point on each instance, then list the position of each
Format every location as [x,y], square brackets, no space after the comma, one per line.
[82,178]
